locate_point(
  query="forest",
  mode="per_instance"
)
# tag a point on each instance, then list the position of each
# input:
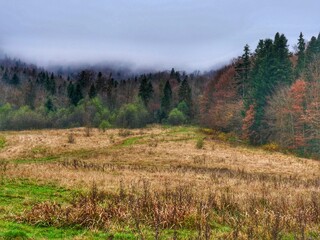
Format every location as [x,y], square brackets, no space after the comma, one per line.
[268,96]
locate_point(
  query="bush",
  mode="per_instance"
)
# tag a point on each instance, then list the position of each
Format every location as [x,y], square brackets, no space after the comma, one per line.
[104,125]
[183,107]
[199,144]
[176,117]
[71,138]
[25,118]
[132,115]
[272,147]
[2,141]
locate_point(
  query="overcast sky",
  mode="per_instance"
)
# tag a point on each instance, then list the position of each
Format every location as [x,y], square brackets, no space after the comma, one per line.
[185,34]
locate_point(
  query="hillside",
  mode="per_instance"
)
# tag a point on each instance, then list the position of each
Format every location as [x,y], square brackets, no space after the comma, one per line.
[153,183]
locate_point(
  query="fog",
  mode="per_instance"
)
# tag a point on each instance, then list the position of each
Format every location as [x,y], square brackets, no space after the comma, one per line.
[157,34]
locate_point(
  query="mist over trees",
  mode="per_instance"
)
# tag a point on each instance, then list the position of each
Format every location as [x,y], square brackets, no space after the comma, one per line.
[266,95]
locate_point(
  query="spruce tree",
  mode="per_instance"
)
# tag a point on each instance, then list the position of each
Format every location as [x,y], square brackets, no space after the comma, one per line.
[145,90]
[49,105]
[5,77]
[166,100]
[77,94]
[185,93]
[282,67]
[261,85]
[92,91]
[15,79]
[243,68]
[70,91]
[301,56]
[311,53]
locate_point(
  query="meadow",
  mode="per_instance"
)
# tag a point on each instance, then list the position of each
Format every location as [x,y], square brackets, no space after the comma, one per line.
[152,183]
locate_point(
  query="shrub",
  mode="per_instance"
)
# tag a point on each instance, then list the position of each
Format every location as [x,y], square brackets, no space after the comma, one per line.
[2,142]
[183,107]
[104,125]
[176,117]
[124,133]
[25,118]
[200,143]
[132,115]
[71,138]
[272,147]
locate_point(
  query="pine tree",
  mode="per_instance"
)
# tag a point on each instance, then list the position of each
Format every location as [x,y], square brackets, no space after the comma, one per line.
[50,84]
[172,73]
[92,91]
[5,77]
[312,55]
[282,67]
[261,86]
[145,90]
[185,93]
[166,100]
[100,84]
[70,91]
[301,56]
[243,68]
[30,94]
[15,79]
[77,94]
[49,105]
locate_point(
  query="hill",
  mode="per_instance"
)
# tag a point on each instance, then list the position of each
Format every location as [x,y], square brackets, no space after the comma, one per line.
[153,183]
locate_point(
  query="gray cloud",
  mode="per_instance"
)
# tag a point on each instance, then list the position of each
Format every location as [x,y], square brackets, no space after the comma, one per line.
[189,34]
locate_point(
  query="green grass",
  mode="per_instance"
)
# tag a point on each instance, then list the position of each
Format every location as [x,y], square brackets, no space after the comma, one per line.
[81,154]
[12,230]
[131,141]
[2,142]
[18,195]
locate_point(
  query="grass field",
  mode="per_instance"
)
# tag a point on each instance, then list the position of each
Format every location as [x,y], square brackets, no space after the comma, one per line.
[153,183]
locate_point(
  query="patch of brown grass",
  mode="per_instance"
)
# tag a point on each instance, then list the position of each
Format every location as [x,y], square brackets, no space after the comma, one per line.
[259,195]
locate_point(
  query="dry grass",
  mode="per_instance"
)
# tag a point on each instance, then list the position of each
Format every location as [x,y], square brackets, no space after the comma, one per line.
[256,194]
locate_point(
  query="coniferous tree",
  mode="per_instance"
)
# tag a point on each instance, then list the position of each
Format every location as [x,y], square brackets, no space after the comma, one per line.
[185,93]
[243,71]
[15,79]
[49,105]
[50,84]
[5,77]
[70,91]
[282,67]
[30,94]
[166,100]
[92,91]
[77,94]
[145,90]
[301,56]
[311,50]
[261,85]
[172,73]
[100,84]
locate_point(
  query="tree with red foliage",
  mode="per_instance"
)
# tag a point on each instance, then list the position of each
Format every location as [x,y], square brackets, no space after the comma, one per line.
[248,132]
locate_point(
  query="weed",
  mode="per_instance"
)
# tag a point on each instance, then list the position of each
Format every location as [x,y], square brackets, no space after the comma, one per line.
[71,138]
[87,131]
[2,142]
[15,235]
[124,133]
[200,143]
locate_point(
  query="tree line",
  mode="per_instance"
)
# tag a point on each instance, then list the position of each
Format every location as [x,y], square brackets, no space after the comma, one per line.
[267,96]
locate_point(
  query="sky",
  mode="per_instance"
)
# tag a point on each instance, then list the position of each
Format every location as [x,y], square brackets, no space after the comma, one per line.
[159,34]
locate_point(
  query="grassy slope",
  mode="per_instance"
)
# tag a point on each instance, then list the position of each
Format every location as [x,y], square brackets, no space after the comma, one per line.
[17,194]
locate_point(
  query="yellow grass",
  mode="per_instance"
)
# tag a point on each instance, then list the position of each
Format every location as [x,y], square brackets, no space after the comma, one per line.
[165,157]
